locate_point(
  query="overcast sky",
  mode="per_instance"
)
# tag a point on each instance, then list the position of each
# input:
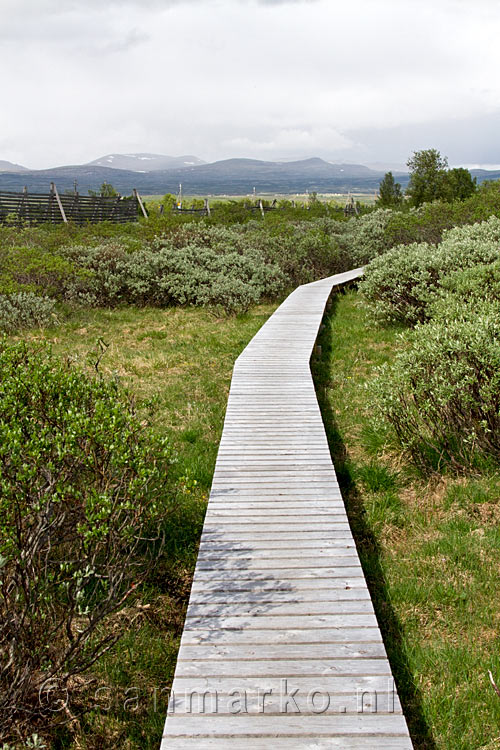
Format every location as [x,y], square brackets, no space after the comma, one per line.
[361,81]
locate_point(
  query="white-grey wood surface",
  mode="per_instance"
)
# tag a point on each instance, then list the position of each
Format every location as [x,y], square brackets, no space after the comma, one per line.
[281,647]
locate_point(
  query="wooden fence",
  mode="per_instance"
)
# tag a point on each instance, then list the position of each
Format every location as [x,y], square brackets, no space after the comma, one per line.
[51,207]
[178,209]
[205,211]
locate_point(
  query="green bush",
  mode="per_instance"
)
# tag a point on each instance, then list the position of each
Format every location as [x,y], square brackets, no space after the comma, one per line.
[431,220]
[442,393]
[477,283]
[365,237]
[309,250]
[228,279]
[194,266]
[399,285]
[32,269]
[84,494]
[304,251]
[402,284]
[24,310]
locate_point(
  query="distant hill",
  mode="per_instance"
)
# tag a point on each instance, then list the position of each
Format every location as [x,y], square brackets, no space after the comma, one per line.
[485,174]
[8,166]
[145,162]
[229,177]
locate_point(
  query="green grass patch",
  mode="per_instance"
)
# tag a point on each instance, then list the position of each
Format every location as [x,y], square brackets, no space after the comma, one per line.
[430,548]
[177,362]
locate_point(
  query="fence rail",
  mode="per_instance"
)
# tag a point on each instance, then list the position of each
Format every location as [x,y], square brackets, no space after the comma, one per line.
[35,208]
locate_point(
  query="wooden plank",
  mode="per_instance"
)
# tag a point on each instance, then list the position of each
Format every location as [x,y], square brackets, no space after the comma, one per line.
[334,703]
[309,667]
[289,743]
[269,587]
[289,636]
[283,651]
[278,593]
[286,607]
[275,597]
[371,725]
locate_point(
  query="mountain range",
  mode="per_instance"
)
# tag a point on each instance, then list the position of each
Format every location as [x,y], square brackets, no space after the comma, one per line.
[145,162]
[159,174]
[8,166]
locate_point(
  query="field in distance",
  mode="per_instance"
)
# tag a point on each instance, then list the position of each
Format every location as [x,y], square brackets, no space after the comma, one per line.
[367,198]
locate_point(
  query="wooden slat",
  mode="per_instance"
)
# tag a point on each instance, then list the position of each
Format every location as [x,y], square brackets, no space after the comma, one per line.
[279,602]
[38,207]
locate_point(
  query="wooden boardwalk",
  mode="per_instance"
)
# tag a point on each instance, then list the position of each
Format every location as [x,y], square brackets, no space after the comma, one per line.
[281,648]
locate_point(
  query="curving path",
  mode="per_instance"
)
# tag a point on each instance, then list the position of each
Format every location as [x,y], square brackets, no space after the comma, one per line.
[281,647]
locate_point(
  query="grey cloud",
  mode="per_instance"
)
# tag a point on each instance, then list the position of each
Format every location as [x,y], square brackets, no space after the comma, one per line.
[249,77]
[465,140]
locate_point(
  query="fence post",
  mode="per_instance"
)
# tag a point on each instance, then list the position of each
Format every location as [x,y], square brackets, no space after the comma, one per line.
[141,205]
[207,207]
[58,200]
[24,205]
[261,208]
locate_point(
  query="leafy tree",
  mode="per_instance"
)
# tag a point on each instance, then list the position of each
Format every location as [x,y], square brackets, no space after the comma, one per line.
[459,184]
[428,176]
[389,192]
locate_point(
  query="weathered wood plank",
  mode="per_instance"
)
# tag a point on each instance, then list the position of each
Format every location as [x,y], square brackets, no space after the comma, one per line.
[291,743]
[372,725]
[267,585]
[285,635]
[280,651]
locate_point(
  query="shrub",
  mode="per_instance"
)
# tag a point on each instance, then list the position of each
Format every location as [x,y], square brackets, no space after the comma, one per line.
[202,276]
[365,238]
[442,394]
[304,251]
[198,266]
[23,310]
[477,282]
[309,250]
[401,284]
[31,269]
[84,491]
[431,220]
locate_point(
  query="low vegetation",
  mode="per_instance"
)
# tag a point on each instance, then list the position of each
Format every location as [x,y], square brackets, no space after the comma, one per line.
[404,284]
[83,487]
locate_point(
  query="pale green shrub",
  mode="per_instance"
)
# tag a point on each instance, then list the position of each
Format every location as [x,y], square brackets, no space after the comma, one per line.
[401,284]
[171,272]
[476,283]
[442,393]
[365,237]
[25,310]
[202,276]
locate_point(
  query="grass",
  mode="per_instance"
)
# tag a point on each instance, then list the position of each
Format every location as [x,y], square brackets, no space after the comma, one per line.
[367,198]
[178,359]
[177,362]
[430,548]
